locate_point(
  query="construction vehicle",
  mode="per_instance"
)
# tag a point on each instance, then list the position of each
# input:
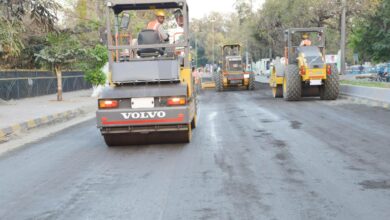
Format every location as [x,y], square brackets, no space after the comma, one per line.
[303,72]
[151,96]
[234,72]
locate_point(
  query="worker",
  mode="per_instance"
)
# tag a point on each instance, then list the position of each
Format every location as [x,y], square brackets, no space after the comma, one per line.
[157,25]
[177,33]
[305,40]
[179,18]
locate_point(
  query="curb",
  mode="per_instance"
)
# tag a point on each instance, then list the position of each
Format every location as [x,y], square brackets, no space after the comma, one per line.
[357,99]
[370,93]
[7,132]
[366,101]
[374,97]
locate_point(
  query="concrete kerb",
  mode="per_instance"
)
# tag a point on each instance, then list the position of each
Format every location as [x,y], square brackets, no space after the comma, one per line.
[377,97]
[7,133]
[366,101]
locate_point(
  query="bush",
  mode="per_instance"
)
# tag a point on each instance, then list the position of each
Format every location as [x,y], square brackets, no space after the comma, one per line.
[97,58]
[95,77]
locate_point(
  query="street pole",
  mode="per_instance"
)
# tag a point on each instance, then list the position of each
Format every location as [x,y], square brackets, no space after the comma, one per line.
[270,53]
[196,52]
[213,43]
[343,37]
[247,53]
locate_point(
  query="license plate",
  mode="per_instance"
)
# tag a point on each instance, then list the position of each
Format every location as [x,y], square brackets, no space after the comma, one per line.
[142,103]
[315,82]
[235,81]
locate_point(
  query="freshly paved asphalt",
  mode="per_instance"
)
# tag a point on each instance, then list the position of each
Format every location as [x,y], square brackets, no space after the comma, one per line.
[252,157]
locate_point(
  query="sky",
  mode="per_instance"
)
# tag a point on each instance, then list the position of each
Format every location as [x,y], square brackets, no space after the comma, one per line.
[198,8]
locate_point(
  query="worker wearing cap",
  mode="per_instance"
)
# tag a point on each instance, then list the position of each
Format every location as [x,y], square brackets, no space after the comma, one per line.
[157,25]
[305,40]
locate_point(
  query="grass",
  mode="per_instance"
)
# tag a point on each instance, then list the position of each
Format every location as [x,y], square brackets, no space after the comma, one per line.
[365,83]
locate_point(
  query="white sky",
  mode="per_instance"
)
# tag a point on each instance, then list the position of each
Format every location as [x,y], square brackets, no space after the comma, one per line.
[198,8]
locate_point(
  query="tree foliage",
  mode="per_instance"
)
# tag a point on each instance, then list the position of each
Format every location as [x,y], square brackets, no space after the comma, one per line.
[216,29]
[261,32]
[371,34]
[43,12]
[62,49]
[21,20]
[278,15]
[11,43]
[85,18]
[97,58]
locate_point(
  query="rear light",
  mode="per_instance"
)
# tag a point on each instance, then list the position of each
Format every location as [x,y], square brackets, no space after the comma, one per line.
[328,70]
[302,70]
[108,104]
[176,101]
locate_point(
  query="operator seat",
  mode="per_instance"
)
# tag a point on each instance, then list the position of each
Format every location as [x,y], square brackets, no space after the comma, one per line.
[146,37]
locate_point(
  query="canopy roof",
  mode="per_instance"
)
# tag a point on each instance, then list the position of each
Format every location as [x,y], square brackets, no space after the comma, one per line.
[312,29]
[122,5]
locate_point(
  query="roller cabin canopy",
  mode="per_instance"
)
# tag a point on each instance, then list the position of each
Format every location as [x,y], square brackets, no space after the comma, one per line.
[291,34]
[292,31]
[119,6]
[123,5]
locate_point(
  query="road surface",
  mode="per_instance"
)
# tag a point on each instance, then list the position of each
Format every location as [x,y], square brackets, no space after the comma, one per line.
[252,157]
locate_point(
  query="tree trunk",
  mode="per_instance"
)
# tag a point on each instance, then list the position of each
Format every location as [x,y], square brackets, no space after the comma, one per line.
[59,81]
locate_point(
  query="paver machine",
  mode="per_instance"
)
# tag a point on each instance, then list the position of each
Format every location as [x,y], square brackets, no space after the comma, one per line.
[303,72]
[234,72]
[151,96]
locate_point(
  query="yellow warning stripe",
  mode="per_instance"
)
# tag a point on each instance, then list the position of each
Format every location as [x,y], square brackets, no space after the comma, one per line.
[31,124]
[16,128]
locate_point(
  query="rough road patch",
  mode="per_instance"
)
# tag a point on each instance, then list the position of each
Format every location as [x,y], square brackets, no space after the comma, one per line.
[295,125]
[261,133]
[207,213]
[260,130]
[279,144]
[376,184]
[281,156]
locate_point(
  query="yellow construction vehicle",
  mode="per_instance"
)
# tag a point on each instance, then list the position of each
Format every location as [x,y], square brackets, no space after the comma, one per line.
[152,98]
[234,72]
[303,72]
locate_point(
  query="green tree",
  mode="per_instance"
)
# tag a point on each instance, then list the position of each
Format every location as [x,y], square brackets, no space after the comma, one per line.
[209,35]
[11,43]
[41,12]
[243,9]
[62,49]
[97,59]
[371,35]
[19,21]
[85,18]
[277,15]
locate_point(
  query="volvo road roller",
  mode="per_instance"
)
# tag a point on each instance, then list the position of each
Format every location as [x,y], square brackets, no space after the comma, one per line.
[151,98]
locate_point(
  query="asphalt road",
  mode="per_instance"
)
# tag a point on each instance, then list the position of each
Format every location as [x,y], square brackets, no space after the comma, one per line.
[252,157]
